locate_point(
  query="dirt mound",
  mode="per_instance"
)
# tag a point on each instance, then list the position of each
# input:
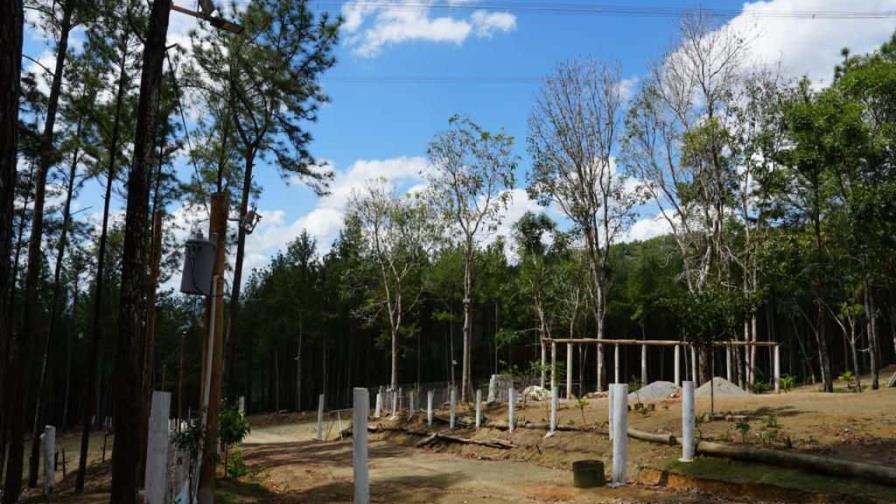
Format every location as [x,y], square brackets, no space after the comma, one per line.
[720,386]
[653,392]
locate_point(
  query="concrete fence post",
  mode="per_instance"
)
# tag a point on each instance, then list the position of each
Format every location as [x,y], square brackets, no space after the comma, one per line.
[568,371]
[688,422]
[156,470]
[643,365]
[429,394]
[320,417]
[728,374]
[553,365]
[511,406]
[544,364]
[610,392]
[677,366]
[620,433]
[777,369]
[360,408]
[411,405]
[378,410]
[478,408]
[554,394]
[242,405]
[694,365]
[452,407]
[49,439]
[615,363]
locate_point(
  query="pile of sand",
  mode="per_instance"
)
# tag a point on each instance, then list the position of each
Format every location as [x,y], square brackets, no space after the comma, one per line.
[653,392]
[720,386]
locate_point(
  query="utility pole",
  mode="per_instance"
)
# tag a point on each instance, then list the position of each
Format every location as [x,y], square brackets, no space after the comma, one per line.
[212,361]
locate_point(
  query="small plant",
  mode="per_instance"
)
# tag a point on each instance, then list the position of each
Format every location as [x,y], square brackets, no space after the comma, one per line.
[771,422]
[787,383]
[634,384]
[761,387]
[582,403]
[698,424]
[725,437]
[766,437]
[235,467]
[743,428]
[233,428]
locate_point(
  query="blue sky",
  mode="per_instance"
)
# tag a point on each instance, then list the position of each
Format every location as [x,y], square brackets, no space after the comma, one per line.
[402,71]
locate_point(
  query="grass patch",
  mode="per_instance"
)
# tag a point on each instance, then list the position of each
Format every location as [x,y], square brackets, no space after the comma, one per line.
[229,491]
[741,472]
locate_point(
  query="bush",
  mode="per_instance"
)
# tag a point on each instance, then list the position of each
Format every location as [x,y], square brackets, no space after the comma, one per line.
[787,383]
[236,468]
[233,428]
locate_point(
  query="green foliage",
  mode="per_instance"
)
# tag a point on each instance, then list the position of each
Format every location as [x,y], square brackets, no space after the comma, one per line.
[236,468]
[233,425]
[787,382]
[744,428]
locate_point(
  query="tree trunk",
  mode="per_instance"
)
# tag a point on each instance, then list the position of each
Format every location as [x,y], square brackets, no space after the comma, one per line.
[11,23]
[126,385]
[873,340]
[68,354]
[827,381]
[299,368]
[54,304]
[149,336]
[96,335]
[234,307]
[466,384]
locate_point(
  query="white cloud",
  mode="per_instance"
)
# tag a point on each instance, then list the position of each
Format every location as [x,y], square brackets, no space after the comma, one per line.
[371,26]
[645,228]
[811,46]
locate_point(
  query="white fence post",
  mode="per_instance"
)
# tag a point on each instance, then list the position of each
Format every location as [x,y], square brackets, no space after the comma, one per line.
[429,394]
[156,471]
[777,369]
[360,409]
[728,362]
[452,406]
[320,417]
[610,392]
[644,365]
[677,366]
[620,432]
[569,371]
[378,411]
[511,406]
[616,363]
[49,436]
[478,408]
[688,421]
[554,394]
[694,365]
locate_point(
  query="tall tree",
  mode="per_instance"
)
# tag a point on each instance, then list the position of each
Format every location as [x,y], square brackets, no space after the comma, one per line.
[572,140]
[472,172]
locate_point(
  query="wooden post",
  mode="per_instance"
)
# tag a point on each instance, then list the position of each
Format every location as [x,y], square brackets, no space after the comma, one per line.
[620,432]
[643,365]
[429,394]
[511,405]
[688,423]
[49,459]
[677,366]
[156,474]
[320,417]
[360,409]
[777,369]
[212,351]
[568,371]
[453,399]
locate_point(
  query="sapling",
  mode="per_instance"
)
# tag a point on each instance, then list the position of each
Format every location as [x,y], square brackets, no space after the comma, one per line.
[582,403]
[743,428]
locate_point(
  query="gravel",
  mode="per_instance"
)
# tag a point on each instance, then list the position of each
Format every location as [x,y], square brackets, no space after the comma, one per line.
[721,386]
[653,392]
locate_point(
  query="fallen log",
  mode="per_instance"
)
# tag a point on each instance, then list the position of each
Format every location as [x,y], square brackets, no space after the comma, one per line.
[652,437]
[492,443]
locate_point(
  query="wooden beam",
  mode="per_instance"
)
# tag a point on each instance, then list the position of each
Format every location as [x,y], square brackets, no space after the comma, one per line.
[631,342]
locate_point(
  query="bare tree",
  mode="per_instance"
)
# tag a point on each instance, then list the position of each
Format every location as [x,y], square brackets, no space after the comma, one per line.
[398,233]
[572,138]
[472,170]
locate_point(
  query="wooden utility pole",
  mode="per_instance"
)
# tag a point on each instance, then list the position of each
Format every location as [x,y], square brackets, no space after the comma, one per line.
[149,338]
[211,375]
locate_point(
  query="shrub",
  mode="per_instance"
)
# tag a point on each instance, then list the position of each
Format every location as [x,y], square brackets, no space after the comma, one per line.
[743,428]
[235,467]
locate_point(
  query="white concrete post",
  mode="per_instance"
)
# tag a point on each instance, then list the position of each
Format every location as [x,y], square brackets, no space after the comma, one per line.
[544,363]
[453,405]
[554,394]
[677,366]
[568,371]
[688,422]
[360,410]
[728,362]
[379,405]
[610,412]
[511,406]
[242,403]
[49,436]
[600,367]
[615,363]
[320,417]
[478,408]
[156,471]
[643,365]
[553,365]
[429,407]
[777,369]
[694,364]
[620,432]
[411,405]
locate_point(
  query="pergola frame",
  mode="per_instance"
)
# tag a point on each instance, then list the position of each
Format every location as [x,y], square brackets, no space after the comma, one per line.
[677,344]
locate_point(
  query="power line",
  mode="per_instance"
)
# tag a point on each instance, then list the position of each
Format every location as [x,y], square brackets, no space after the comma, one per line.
[613,9]
[422,79]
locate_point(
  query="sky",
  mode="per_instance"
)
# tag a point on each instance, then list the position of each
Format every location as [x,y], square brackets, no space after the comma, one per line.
[405,66]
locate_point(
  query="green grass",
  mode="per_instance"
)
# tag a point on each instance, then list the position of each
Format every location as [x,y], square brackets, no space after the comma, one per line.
[742,472]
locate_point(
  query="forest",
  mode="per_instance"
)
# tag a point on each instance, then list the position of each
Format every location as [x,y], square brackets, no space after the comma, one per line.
[778,196]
